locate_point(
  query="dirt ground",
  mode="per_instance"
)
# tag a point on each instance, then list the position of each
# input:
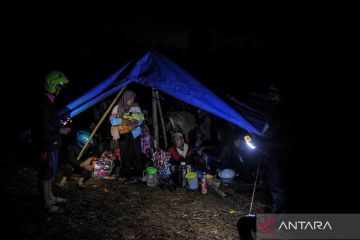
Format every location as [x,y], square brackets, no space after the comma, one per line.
[109,209]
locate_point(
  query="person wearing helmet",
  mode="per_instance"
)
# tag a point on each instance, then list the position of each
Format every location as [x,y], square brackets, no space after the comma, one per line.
[54,82]
[47,136]
[84,165]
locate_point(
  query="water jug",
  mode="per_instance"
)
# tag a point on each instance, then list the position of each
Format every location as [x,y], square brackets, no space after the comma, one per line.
[182,173]
[151,176]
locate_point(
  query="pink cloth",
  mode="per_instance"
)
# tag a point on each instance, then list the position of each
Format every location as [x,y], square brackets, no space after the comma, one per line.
[145,143]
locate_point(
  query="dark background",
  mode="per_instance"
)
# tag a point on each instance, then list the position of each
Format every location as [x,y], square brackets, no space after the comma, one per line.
[230,47]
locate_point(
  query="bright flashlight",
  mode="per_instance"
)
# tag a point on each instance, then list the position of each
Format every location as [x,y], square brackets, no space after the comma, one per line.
[248,140]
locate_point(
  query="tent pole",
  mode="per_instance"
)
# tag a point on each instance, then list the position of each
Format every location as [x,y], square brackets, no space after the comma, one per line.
[100,121]
[155,120]
[256,179]
[162,119]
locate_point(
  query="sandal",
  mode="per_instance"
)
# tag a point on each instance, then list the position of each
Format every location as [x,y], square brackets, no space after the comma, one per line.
[54,209]
[62,183]
[221,193]
[58,200]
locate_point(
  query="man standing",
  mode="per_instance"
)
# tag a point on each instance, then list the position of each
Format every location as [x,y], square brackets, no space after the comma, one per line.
[279,147]
[47,136]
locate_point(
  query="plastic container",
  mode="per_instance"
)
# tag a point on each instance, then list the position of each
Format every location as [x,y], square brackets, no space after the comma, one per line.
[227,175]
[204,185]
[199,174]
[151,177]
[192,180]
[182,173]
[150,170]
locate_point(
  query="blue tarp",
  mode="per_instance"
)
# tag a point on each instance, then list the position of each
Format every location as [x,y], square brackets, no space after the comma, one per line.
[93,96]
[156,71]
[256,108]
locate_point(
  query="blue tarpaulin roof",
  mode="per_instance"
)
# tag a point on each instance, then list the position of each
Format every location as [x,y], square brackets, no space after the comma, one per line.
[157,71]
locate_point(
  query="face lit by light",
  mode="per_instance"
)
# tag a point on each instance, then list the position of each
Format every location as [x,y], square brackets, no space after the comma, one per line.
[179,141]
[130,101]
[58,89]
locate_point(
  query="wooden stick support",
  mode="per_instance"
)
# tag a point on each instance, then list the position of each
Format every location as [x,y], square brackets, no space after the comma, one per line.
[155,120]
[100,121]
[161,119]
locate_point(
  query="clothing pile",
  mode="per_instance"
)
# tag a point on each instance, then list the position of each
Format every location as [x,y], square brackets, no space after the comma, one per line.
[105,164]
[161,160]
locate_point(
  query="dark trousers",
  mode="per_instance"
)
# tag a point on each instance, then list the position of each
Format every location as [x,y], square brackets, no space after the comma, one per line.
[130,150]
[277,184]
[69,170]
[48,165]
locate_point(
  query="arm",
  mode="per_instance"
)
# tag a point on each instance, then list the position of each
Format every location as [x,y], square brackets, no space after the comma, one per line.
[87,164]
[72,157]
[115,118]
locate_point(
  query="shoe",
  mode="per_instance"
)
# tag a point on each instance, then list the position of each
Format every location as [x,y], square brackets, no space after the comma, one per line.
[131,181]
[121,179]
[81,183]
[57,200]
[53,209]
[221,193]
[62,183]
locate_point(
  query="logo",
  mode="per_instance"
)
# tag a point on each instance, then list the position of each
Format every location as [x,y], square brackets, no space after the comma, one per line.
[308,226]
[305,225]
[268,225]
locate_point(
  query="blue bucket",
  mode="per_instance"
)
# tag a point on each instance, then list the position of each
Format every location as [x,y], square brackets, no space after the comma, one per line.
[192,180]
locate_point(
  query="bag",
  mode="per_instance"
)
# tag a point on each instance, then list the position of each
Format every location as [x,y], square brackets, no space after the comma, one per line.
[104,165]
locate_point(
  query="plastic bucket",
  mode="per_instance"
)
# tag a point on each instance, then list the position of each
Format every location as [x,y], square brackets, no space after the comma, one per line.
[150,170]
[192,180]
[151,177]
[151,180]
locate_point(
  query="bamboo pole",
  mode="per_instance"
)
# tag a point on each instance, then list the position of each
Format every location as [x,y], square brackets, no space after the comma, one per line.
[161,119]
[155,120]
[100,121]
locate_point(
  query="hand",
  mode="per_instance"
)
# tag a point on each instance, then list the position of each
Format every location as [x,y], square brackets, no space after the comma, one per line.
[87,167]
[88,161]
[65,130]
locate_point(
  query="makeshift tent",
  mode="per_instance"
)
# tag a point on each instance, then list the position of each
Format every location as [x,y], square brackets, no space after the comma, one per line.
[255,106]
[157,71]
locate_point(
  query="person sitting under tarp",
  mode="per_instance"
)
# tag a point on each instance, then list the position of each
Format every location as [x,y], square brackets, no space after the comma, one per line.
[234,155]
[83,166]
[181,151]
[231,154]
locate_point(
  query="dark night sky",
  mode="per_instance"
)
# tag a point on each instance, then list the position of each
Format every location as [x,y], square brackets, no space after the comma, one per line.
[251,42]
[254,44]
